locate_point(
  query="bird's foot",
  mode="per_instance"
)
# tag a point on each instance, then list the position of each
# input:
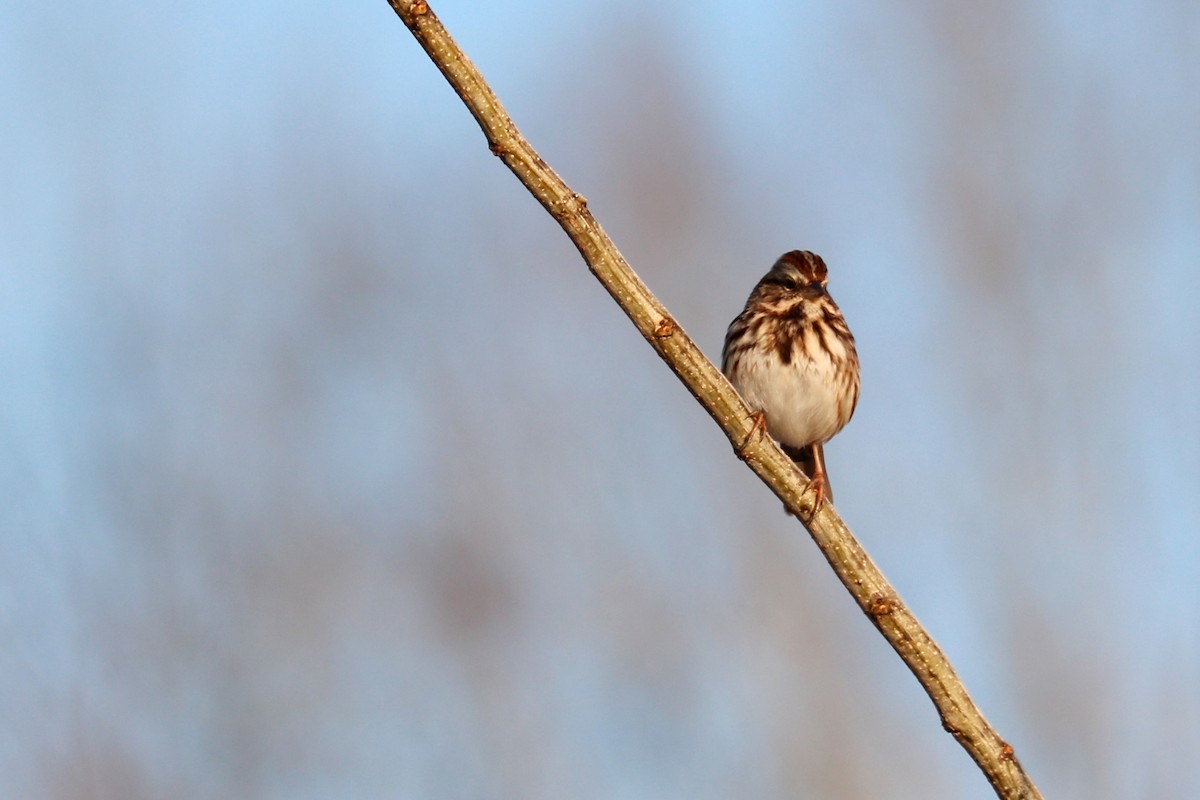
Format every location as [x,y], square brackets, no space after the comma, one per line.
[819,484]
[758,426]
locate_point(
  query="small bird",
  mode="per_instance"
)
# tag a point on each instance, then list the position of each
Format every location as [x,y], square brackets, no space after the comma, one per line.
[791,356]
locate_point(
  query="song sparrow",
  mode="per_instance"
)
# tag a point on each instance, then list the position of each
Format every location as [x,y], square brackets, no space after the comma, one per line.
[791,356]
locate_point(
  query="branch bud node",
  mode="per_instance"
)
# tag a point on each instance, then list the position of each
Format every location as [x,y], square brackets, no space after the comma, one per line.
[881,606]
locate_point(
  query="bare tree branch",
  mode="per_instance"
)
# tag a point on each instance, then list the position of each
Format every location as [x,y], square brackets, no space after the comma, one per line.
[853,566]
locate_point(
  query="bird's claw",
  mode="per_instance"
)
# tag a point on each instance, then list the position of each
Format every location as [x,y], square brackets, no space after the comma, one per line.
[758,426]
[819,485]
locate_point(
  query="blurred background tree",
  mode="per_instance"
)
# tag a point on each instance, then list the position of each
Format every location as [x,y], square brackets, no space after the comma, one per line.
[331,472]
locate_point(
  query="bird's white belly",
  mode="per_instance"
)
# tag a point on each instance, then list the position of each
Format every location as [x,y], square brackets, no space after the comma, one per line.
[800,399]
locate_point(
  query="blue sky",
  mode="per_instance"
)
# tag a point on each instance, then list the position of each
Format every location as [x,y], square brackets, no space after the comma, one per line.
[331,471]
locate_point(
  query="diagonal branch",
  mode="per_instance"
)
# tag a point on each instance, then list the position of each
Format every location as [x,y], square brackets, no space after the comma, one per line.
[870,589]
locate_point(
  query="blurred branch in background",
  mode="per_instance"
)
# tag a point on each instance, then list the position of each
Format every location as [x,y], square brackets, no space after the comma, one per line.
[870,589]
[327,472]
